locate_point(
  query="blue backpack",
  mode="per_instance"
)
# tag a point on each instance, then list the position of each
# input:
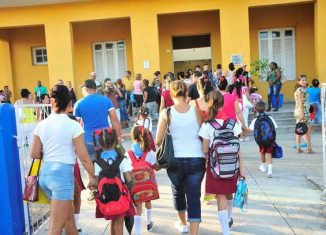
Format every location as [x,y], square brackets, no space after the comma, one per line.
[277,151]
[264,130]
[241,196]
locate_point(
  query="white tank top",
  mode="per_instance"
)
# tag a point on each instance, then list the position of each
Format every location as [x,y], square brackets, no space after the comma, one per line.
[184,131]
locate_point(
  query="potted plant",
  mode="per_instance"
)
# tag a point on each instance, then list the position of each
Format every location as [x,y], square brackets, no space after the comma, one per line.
[259,68]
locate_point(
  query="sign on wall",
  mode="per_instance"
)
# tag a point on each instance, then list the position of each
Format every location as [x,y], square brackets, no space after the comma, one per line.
[236,59]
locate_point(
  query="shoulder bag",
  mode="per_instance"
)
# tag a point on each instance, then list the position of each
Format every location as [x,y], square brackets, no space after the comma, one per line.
[165,153]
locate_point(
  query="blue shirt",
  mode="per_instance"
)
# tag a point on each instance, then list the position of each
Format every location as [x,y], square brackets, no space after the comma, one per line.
[40,90]
[314,94]
[109,155]
[93,110]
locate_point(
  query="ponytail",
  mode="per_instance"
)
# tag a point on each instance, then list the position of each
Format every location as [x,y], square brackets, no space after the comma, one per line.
[140,135]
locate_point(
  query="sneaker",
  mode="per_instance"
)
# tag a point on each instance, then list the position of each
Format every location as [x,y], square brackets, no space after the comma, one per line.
[181,228]
[150,227]
[81,232]
[270,175]
[262,168]
[230,223]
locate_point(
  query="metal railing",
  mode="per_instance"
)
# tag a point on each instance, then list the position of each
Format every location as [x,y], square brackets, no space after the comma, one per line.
[27,117]
[323,111]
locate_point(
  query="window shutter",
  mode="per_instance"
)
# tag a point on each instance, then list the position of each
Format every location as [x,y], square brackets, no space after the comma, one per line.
[98,63]
[110,63]
[289,58]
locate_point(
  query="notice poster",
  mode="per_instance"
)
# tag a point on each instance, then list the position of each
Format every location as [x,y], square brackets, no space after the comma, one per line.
[236,59]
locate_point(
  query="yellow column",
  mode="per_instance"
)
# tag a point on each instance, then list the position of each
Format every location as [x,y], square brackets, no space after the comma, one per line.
[60,51]
[6,78]
[234,25]
[320,39]
[145,44]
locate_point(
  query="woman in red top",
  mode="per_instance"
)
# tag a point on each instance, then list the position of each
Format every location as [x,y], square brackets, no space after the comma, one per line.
[231,108]
[166,100]
[204,87]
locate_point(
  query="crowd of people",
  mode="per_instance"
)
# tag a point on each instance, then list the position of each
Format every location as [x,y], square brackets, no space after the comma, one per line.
[195,106]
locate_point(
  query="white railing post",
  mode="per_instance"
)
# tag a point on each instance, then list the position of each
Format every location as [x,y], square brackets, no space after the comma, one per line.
[323,110]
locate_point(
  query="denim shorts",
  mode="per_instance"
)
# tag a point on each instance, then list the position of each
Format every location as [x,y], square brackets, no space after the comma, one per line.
[91,150]
[57,180]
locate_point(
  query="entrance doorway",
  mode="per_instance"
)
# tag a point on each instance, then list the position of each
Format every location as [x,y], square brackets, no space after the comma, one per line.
[191,50]
[109,59]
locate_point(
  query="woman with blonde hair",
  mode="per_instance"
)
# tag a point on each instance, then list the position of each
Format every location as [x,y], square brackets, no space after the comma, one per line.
[301,112]
[187,174]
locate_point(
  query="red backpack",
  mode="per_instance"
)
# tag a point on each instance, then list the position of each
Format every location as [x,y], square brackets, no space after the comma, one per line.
[113,197]
[145,187]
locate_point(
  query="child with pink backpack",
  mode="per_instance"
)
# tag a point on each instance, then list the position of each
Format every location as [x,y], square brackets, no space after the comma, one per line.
[144,188]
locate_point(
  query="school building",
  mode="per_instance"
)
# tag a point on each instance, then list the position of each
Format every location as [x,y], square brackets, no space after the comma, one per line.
[49,40]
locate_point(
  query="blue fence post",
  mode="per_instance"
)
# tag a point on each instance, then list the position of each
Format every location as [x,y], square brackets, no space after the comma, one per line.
[11,199]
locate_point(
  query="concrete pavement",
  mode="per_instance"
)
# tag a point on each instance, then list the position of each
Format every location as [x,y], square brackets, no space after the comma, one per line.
[288,203]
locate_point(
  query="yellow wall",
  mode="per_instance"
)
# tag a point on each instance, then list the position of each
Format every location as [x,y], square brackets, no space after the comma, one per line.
[88,32]
[187,24]
[152,23]
[25,74]
[5,62]
[302,18]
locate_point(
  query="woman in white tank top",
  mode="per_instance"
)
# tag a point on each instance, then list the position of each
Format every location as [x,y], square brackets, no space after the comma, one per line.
[187,174]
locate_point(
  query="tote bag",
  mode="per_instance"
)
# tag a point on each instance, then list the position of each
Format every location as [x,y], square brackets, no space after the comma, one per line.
[165,153]
[32,175]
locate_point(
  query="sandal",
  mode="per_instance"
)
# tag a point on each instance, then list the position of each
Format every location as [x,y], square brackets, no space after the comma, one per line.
[299,151]
[310,151]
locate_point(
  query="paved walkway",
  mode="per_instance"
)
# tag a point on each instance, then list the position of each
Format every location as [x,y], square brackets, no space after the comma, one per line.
[288,203]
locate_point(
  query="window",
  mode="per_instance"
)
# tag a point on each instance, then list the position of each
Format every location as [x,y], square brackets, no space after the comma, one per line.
[109,60]
[39,55]
[278,45]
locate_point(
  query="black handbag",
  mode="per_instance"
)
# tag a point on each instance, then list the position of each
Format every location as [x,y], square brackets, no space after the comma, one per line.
[165,153]
[301,128]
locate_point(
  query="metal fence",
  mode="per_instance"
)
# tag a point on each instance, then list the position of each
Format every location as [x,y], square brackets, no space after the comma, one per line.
[27,117]
[323,110]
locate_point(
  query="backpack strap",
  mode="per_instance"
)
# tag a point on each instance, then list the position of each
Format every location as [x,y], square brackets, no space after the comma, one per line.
[133,157]
[101,162]
[197,104]
[114,168]
[215,124]
[229,124]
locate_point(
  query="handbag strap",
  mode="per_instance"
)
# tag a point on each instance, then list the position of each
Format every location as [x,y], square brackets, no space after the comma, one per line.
[31,168]
[168,119]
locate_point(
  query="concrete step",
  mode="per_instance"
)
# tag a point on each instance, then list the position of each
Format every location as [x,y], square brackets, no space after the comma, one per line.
[277,115]
[282,121]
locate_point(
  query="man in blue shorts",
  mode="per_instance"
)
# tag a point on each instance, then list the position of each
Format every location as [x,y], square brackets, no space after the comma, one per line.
[94,110]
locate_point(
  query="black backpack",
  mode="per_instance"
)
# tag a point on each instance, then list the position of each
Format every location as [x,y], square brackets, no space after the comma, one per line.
[264,130]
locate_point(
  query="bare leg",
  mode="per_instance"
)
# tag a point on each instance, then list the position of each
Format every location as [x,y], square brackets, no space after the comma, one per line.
[298,142]
[307,138]
[61,216]
[182,217]
[194,227]
[117,226]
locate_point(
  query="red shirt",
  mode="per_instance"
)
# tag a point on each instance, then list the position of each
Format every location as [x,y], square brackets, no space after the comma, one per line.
[228,110]
[167,98]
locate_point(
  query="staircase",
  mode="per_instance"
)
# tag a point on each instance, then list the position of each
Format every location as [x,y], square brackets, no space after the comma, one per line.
[284,118]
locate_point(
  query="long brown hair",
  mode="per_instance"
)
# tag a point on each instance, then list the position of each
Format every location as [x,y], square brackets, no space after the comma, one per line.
[297,85]
[215,102]
[140,135]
